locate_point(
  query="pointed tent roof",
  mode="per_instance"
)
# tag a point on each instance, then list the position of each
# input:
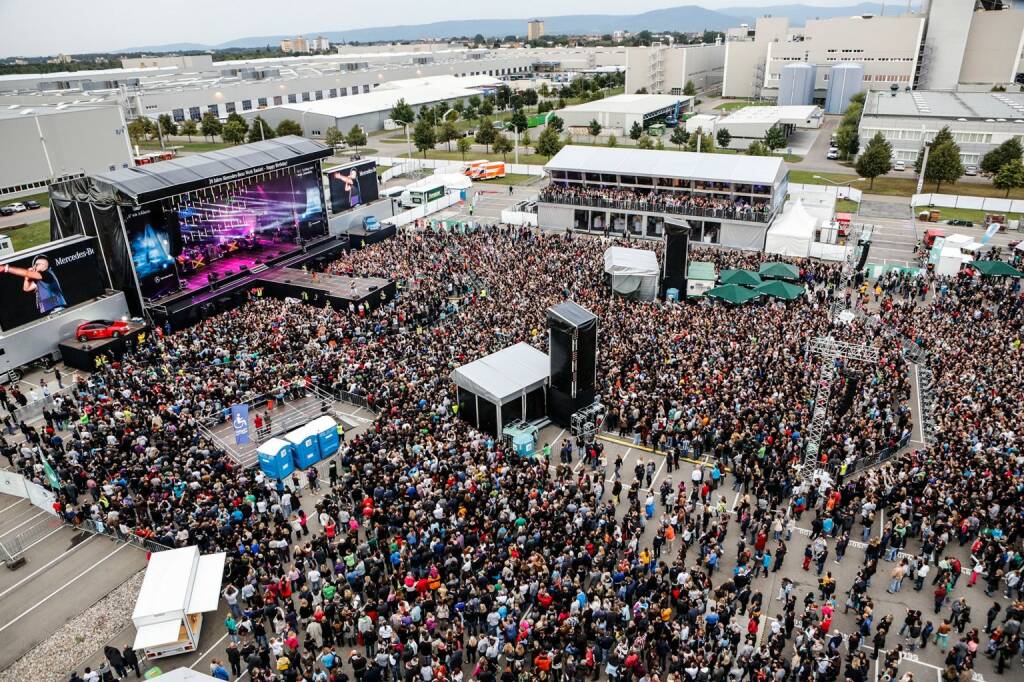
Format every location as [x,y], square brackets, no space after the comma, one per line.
[733,293]
[779,271]
[781,290]
[744,277]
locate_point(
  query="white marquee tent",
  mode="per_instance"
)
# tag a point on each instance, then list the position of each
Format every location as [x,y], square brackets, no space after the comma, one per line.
[503,386]
[633,273]
[792,233]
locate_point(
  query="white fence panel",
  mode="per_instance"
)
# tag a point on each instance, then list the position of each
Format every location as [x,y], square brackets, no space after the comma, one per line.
[40,497]
[519,218]
[1017,206]
[853,194]
[12,484]
[406,217]
[828,251]
[975,203]
[998,205]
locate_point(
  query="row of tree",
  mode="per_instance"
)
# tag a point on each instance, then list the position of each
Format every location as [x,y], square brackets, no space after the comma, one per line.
[234,130]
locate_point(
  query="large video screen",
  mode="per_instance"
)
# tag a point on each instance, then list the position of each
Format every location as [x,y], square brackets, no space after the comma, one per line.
[197,238]
[154,245]
[47,282]
[353,186]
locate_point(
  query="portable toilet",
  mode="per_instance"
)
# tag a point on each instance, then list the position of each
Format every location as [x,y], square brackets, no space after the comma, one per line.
[306,445]
[275,458]
[327,434]
[525,444]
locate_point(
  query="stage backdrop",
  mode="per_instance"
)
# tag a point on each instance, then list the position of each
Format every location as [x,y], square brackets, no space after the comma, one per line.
[155,241]
[353,185]
[62,275]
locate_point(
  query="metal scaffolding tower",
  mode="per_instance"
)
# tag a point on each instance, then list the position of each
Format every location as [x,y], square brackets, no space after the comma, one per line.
[584,422]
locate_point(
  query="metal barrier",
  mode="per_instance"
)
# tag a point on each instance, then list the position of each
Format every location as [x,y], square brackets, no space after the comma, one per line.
[34,409]
[100,528]
[355,399]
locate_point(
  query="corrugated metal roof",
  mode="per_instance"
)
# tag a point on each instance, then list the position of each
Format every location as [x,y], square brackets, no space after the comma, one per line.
[381,99]
[629,104]
[760,170]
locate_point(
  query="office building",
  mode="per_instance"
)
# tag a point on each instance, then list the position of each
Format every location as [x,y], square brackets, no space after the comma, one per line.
[47,143]
[534,29]
[666,69]
[979,121]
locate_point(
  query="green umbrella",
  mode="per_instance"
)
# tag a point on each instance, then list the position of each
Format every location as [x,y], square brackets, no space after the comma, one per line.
[744,277]
[780,289]
[995,268]
[779,271]
[733,293]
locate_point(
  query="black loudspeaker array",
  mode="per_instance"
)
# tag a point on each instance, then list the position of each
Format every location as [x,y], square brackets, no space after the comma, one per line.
[676,261]
[572,348]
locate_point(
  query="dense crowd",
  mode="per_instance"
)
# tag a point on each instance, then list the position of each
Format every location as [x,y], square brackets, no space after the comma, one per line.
[708,205]
[430,552]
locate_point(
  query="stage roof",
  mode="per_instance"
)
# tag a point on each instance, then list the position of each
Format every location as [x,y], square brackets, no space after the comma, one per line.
[505,375]
[761,170]
[142,184]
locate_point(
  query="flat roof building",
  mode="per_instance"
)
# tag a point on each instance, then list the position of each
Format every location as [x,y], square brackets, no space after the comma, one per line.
[617,114]
[666,69]
[725,199]
[42,144]
[979,121]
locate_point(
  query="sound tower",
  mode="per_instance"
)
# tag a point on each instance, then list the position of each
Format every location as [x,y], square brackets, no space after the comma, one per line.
[676,261]
[572,348]
[865,246]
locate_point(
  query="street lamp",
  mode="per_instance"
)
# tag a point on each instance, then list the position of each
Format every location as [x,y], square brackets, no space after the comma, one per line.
[924,165]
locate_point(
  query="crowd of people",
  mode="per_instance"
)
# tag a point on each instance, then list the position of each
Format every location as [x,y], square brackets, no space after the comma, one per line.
[701,204]
[428,551]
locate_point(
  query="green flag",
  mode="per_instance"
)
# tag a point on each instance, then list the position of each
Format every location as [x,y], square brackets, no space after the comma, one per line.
[51,475]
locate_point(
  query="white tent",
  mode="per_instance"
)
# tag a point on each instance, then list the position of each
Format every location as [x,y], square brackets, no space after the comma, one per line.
[179,587]
[503,386]
[633,272]
[792,233]
[951,259]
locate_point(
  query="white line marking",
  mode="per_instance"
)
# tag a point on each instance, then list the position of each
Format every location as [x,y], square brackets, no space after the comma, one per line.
[13,505]
[34,516]
[52,594]
[45,566]
[208,651]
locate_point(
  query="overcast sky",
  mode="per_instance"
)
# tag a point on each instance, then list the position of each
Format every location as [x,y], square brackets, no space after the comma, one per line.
[43,27]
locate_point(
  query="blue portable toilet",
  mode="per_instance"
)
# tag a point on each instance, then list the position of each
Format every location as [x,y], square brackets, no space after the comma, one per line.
[672,294]
[276,459]
[327,434]
[306,444]
[525,444]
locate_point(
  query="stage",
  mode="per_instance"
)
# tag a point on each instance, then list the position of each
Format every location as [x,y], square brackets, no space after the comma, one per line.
[85,355]
[343,292]
[360,237]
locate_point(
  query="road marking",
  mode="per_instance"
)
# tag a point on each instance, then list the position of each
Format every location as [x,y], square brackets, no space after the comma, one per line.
[656,474]
[34,516]
[12,506]
[55,592]
[208,651]
[39,570]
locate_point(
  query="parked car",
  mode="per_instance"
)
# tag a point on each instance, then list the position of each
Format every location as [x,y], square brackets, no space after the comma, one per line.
[31,205]
[833,153]
[101,329]
[371,224]
[6,210]
[970,170]
[960,222]
[17,207]
[899,165]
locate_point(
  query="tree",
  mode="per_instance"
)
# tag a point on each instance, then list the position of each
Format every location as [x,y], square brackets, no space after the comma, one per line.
[503,145]
[188,128]
[518,121]
[859,98]
[233,132]
[699,141]
[659,145]
[137,130]
[645,142]
[486,107]
[876,159]
[944,135]
[724,137]
[636,131]
[613,141]
[464,145]
[210,125]
[402,112]
[543,90]
[852,115]
[944,164]
[167,125]
[486,134]
[690,90]
[423,136]
[775,138]
[1008,151]
[332,136]
[356,137]
[679,136]
[594,128]
[557,123]
[525,140]
[237,118]
[1010,176]
[288,127]
[548,143]
[446,133]
[261,130]
[758,148]
[847,141]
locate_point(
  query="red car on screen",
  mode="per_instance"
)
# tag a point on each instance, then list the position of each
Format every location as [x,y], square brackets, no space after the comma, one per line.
[101,329]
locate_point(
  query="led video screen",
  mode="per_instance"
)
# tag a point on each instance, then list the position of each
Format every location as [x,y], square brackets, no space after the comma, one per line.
[353,186]
[46,282]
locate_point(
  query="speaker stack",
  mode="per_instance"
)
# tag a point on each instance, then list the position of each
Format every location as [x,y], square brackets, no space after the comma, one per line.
[572,349]
[676,261]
